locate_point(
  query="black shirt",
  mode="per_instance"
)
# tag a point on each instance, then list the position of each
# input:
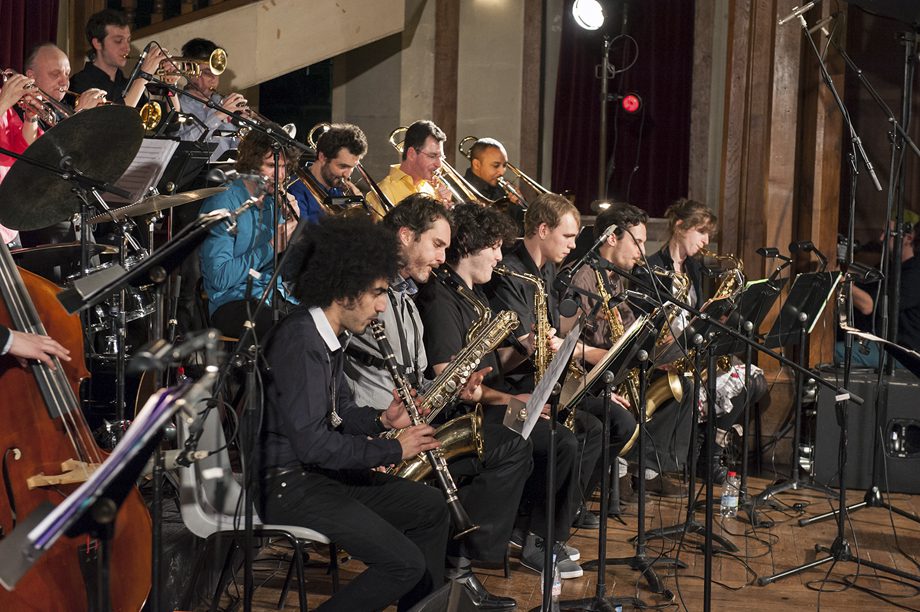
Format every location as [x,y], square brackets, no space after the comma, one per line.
[91,76]
[447,317]
[513,294]
[498,195]
[299,388]
[692,268]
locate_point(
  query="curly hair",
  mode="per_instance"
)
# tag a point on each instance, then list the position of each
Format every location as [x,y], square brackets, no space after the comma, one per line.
[621,214]
[342,258]
[475,227]
[342,135]
[418,133]
[548,208]
[418,212]
[691,215]
[253,149]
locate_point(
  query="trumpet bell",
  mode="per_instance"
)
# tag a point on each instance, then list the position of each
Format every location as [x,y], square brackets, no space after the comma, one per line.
[217,62]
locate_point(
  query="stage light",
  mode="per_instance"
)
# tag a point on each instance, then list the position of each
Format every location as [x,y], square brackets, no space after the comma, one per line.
[631,103]
[599,206]
[588,14]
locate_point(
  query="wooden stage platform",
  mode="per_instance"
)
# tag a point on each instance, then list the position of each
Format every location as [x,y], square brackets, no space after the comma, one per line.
[873,533]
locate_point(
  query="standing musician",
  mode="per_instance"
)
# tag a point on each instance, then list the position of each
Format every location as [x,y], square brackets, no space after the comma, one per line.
[203,88]
[50,68]
[338,150]
[318,446]
[473,254]
[423,149]
[24,346]
[488,162]
[422,234]
[625,248]
[227,258]
[16,134]
[109,39]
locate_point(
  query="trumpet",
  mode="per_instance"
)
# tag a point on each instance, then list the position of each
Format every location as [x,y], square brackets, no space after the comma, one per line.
[460,189]
[49,107]
[189,67]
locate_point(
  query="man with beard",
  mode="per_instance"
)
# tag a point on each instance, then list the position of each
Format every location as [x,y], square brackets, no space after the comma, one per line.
[318,446]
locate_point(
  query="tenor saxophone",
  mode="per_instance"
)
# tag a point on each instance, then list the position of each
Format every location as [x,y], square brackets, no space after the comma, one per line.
[462,522]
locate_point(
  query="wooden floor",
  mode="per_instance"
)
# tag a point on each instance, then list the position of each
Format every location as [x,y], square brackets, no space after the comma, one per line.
[762,552]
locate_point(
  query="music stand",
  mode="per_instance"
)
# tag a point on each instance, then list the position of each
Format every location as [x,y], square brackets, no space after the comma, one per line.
[93,507]
[797,319]
[189,161]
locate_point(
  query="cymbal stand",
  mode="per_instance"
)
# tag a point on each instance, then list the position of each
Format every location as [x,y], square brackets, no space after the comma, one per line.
[690,524]
[640,561]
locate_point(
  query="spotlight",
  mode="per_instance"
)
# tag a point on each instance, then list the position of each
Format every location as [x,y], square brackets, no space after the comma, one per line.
[599,206]
[631,102]
[588,14]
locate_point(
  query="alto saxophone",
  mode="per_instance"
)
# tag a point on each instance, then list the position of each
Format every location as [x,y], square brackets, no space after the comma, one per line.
[462,522]
[541,355]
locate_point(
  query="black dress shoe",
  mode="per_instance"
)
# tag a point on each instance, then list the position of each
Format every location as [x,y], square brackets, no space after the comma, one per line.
[586,519]
[481,598]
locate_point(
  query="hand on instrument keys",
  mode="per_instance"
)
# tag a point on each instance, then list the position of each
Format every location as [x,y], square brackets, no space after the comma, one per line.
[235,103]
[13,91]
[444,195]
[619,399]
[472,390]
[553,342]
[40,348]
[417,439]
[395,416]
[91,98]
[153,59]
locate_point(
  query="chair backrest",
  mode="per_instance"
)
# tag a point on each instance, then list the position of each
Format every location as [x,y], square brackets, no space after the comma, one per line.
[209,493]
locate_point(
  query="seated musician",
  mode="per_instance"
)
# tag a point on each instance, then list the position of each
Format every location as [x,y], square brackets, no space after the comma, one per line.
[227,258]
[338,150]
[422,233]
[109,37]
[690,225]
[423,149]
[318,447]
[16,133]
[488,162]
[203,88]
[625,248]
[475,250]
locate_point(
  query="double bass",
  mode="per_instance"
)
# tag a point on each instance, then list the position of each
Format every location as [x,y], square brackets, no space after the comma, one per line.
[47,450]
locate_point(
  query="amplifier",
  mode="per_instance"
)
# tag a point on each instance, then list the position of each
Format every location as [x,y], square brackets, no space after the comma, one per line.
[900,430]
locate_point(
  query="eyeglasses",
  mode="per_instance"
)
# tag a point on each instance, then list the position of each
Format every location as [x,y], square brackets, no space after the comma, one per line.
[431,156]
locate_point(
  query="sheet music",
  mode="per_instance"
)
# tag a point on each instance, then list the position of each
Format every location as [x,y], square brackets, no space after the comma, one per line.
[146,170]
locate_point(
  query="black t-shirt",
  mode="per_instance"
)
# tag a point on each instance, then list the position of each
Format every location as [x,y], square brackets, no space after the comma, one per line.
[447,317]
[91,77]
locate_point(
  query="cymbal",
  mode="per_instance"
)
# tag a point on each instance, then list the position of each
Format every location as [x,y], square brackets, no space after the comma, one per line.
[46,256]
[157,203]
[101,143]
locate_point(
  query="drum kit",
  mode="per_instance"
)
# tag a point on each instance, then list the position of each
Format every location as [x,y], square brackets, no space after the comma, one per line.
[62,177]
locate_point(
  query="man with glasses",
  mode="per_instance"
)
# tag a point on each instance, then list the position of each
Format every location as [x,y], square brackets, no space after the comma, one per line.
[423,149]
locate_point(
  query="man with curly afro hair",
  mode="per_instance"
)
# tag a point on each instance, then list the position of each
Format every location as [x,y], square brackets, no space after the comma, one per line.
[318,447]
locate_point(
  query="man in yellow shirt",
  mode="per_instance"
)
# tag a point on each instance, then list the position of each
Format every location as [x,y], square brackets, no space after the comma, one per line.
[423,149]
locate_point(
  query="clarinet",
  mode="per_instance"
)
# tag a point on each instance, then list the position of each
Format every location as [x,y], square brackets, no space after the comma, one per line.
[462,522]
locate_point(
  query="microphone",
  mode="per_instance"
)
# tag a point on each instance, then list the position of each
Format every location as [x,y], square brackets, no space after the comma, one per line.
[137,68]
[564,278]
[821,23]
[226,176]
[772,252]
[798,11]
[160,353]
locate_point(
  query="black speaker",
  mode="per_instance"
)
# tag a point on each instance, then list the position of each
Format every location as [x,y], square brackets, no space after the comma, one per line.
[900,428]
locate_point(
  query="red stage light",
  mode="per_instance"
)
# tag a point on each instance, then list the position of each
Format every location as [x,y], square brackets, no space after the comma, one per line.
[631,103]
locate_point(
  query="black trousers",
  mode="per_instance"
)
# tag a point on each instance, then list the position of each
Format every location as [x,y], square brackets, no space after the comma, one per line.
[231,317]
[398,528]
[567,490]
[622,427]
[490,491]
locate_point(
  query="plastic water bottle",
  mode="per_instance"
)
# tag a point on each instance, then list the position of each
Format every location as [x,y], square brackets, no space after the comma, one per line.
[729,503]
[557,587]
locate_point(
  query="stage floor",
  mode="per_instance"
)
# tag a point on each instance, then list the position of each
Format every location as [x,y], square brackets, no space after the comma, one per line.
[762,552]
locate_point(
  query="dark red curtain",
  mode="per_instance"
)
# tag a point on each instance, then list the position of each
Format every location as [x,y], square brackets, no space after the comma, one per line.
[24,24]
[648,153]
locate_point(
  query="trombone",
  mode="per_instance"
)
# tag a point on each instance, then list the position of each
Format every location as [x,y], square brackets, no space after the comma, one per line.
[509,188]
[460,189]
